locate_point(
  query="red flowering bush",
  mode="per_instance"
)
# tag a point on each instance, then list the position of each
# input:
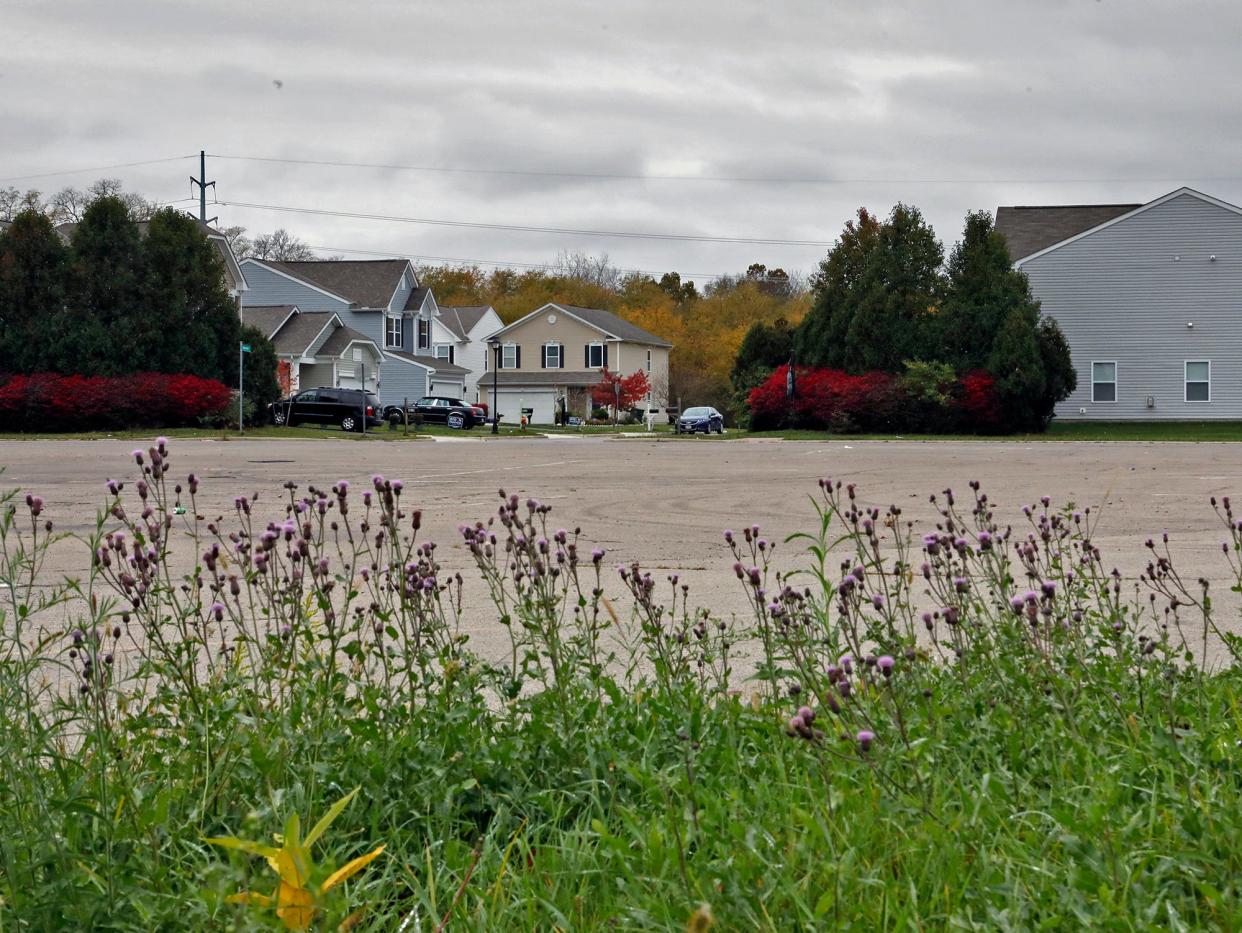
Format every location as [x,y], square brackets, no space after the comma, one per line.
[832,400]
[51,402]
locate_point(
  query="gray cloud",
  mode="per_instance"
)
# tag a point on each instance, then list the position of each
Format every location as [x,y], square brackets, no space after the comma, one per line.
[957,105]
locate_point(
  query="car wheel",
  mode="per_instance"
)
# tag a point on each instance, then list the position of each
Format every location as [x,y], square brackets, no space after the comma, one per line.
[279,418]
[456,421]
[349,423]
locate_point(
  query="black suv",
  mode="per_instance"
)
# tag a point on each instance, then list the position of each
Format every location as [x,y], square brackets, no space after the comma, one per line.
[344,407]
[435,409]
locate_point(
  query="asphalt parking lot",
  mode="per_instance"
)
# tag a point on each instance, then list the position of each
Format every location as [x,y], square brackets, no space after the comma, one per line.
[664,503]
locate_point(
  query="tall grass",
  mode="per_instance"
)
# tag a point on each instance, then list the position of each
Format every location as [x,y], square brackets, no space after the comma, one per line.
[975,725]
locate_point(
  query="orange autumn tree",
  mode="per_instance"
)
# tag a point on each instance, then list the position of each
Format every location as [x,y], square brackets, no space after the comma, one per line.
[620,392]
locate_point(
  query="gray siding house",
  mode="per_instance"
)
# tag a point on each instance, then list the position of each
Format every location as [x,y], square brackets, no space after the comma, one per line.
[1149,297]
[379,299]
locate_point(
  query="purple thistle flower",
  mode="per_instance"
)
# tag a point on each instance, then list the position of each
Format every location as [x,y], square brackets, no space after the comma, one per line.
[865,738]
[878,601]
[885,663]
[728,536]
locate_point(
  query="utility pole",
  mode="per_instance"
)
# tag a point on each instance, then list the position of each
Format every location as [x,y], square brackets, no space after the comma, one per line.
[203,184]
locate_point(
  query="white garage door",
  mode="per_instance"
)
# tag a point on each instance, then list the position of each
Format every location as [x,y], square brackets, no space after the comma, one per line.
[349,377]
[543,401]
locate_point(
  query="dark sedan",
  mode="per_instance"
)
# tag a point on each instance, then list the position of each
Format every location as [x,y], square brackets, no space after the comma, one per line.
[701,420]
[451,412]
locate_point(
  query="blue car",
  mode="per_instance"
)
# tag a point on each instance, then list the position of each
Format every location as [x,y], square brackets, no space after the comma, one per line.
[701,420]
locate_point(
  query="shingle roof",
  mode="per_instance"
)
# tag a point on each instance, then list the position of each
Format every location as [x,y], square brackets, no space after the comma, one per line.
[368,283]
[618,327]
[295,337]
[1030,229]
[341,338]
[461,320]
[267,317]
[416,299]
[512,377]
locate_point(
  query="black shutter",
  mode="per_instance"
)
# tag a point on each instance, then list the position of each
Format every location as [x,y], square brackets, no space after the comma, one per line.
[588,356]
[560,354]
[452,354]
[544,357]
[518,354]
[605,356]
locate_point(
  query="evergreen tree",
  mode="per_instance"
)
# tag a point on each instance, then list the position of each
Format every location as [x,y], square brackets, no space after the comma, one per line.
[820,340]
[763,349]
[895,296]
[260,373]
[100,332]
[34,265]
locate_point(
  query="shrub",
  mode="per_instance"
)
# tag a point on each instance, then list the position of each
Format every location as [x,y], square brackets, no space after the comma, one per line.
[52,402]
[921,401]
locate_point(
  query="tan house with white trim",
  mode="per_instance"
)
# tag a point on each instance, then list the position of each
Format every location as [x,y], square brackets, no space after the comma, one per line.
[550,359]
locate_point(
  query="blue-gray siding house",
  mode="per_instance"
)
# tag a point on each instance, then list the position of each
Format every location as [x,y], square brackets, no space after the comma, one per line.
[381,299]
[1150,300]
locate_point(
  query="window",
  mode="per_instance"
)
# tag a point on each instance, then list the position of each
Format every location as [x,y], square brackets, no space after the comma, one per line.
[1103,382]
[552,356]
[392,332]
[444,352]
[648,368]
[1199,381]
[510,356]
[424,333]
[595,356]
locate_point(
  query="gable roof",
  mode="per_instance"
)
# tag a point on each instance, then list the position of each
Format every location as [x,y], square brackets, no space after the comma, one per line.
[605,322]
[416,299]
[1126,215]
[462,319]
[1027,230]
[340,340]
[367,283]
[267,318]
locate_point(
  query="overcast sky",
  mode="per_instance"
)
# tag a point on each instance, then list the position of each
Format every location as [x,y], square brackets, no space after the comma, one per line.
[950,105]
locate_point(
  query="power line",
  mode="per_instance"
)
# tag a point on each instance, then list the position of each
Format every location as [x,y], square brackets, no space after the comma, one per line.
[96,168]
[522,265]
[744,179]
[525,228]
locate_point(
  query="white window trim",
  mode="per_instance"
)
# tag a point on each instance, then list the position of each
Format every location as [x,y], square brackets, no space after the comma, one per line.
[418,333]
[1116,373]
[447,351]
[388,341]
[503,348]
[1186,383]
[592,346]
[560,352]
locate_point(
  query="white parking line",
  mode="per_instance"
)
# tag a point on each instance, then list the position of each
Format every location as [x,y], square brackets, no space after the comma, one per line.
[520,466]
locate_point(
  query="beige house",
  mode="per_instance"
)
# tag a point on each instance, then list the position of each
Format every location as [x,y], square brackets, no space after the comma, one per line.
[550,359]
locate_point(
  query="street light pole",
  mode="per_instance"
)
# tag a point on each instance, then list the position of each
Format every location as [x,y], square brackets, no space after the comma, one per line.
[495,380]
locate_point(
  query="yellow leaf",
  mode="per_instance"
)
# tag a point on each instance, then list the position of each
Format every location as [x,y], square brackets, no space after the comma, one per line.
[352,920]
[286,863]
[349,869]
[295,907]
[335,811]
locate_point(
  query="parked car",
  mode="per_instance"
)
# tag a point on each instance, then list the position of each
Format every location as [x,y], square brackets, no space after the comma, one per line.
[435,409]
[347,408]
[703,419]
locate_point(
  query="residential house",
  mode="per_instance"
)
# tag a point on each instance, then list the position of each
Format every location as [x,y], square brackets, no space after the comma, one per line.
[459,335]
[380,299]
[551,358]
[1148,297]
[315,348]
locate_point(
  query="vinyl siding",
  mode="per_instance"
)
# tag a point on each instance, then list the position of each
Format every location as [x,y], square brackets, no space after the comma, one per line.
[1120,296]
[271,288]
[473,353]
[400,381]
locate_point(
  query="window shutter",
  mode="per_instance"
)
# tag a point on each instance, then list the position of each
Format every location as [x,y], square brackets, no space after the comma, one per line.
[518,354]
[605,356]
[588,356]
[452,354]
[544,357]
[560,354]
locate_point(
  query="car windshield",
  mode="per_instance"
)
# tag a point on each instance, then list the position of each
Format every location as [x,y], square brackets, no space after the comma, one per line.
[698,413]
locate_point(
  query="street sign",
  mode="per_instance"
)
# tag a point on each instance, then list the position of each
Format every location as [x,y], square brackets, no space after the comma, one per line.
[245,348]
